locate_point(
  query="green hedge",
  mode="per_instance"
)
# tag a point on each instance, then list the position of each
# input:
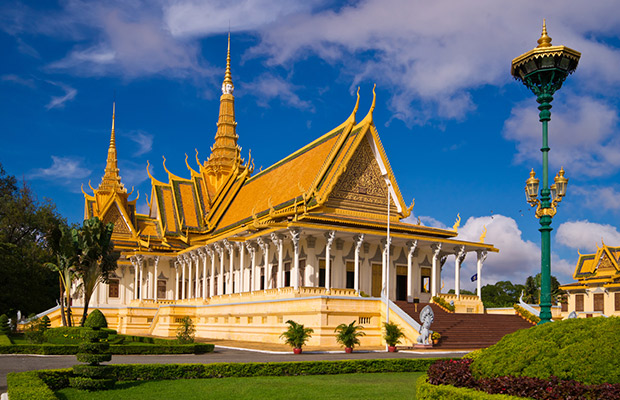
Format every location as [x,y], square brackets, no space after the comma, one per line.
[441,302]
[70,349]
[133,372]
[5,341]
[426,391]
[581,349]
[526,314]
[28,386]
[69,334]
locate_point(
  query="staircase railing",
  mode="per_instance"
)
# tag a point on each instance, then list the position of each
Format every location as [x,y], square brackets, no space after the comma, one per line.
[405,317]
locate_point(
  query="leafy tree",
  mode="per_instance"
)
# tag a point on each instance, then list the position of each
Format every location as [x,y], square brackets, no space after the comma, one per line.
[63,248]
[95,256]
[26,284]
[185,331]
[501,294]
[463,291]
[531,293]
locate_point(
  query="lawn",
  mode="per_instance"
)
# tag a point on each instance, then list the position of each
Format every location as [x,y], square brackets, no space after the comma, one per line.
[393,385]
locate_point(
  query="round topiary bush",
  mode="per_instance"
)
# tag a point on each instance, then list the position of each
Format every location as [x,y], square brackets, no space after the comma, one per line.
[5,329]
[96,320]
[582,349]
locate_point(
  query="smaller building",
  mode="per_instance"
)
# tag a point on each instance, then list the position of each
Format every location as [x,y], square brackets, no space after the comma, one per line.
[597,290]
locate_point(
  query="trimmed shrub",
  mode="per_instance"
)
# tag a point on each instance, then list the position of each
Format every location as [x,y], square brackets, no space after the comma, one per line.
[69,349]
[91,384]
[427,391]
[5,328]
[581,349]
[28,386]
[473,354]
[70,334]
[45,322]
[4,340]
[96,320]
[443,304]
[93,352]
[185,331]
[55,378]
[526,314]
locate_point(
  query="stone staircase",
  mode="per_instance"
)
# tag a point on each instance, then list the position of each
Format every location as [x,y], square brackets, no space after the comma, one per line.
[467,331]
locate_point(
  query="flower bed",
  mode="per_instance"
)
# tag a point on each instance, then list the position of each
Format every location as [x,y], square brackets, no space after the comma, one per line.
[457,373]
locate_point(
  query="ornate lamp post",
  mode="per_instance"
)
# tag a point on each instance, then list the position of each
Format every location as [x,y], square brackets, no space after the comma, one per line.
[543,70]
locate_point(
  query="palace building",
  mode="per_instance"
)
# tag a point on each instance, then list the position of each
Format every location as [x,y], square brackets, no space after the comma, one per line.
[242,252]
[596,291]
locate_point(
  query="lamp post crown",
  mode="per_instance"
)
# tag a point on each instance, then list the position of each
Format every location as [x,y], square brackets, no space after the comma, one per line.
[545,40]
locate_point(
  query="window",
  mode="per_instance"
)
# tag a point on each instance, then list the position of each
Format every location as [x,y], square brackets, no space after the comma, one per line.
[161,289]
[302,272]
[350,274]
[564,303]
[113,286]
[321,273]
[425,281]
[617,301]
[579,302]
[401,282]
[287,274]
[599,302]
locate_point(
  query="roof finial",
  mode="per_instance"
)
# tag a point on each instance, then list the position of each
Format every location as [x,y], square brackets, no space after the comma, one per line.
[368,117]
[545,40]
[227,85]
[113,136]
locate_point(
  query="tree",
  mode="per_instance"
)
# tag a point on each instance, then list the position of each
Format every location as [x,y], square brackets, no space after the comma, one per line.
[501,294]
[26,284]
[531,294]
[95,256]
[63,248]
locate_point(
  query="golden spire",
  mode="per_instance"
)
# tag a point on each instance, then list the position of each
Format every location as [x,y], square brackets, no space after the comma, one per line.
[111,180]
[545,40]
[227,75]
[225,153]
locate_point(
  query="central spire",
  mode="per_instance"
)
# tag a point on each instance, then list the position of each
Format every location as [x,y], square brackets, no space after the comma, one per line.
[225,153]
[111,180]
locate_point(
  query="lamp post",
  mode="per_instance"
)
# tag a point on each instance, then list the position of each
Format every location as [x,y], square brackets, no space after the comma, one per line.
[543,70]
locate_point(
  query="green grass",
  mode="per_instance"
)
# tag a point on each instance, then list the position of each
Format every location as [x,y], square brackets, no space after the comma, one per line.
[393,386]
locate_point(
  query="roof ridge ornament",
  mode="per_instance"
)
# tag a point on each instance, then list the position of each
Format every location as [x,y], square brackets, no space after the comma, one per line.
[545,40]
[368,117]
[227,86]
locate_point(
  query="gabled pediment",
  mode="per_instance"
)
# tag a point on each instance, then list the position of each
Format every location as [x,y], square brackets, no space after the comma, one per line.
[114,214]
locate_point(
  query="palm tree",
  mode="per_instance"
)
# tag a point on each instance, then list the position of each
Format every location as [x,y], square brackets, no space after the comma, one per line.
[95,256]
[348,335]
[61,243]
[296,335]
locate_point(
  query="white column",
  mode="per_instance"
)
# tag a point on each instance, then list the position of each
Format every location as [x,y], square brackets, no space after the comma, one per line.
[295,234]
[203,257]
[412,246]
[196,260]
[482,255]
[183,278]
[231,256]
[459,256]
[265,247]
[358,240]
[134,262]
[220,278]
[252,250]
[141,281]
[176,287]
[211,254]
[241,283]
[156,260]
[436,250]
[277,241]
[149,280]
[329,236]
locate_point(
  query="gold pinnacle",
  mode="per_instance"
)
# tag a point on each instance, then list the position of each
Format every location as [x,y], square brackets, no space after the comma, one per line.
[545,40]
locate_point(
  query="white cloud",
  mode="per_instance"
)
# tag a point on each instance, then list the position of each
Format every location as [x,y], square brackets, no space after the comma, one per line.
[143,140]
[132,173]
[268,87]
[199,18]
[602,198]
[18,80]
[585,235]
[66,169]
[59,101]
[582,136]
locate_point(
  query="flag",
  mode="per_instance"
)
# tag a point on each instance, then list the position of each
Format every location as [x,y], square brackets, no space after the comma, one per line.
[474,277]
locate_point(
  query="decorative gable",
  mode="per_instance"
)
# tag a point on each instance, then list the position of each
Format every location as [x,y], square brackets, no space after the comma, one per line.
[361,187]
[114,216]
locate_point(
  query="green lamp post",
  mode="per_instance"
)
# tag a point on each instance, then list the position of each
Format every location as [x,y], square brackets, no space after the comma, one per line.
[543,70]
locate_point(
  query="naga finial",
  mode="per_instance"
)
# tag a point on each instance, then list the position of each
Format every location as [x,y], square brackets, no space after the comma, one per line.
[484,234]
[457,223]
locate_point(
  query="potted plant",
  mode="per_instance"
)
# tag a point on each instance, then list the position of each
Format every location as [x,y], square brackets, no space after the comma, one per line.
[435,337]
[296,335]
[348,335]
[392,334]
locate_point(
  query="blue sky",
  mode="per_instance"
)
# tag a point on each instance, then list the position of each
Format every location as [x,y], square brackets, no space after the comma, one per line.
[460,133]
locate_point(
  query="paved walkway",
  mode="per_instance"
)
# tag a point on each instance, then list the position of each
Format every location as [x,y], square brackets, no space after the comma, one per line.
[225,351]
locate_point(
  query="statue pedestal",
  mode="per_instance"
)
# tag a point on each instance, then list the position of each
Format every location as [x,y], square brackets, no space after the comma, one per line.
[422,346]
